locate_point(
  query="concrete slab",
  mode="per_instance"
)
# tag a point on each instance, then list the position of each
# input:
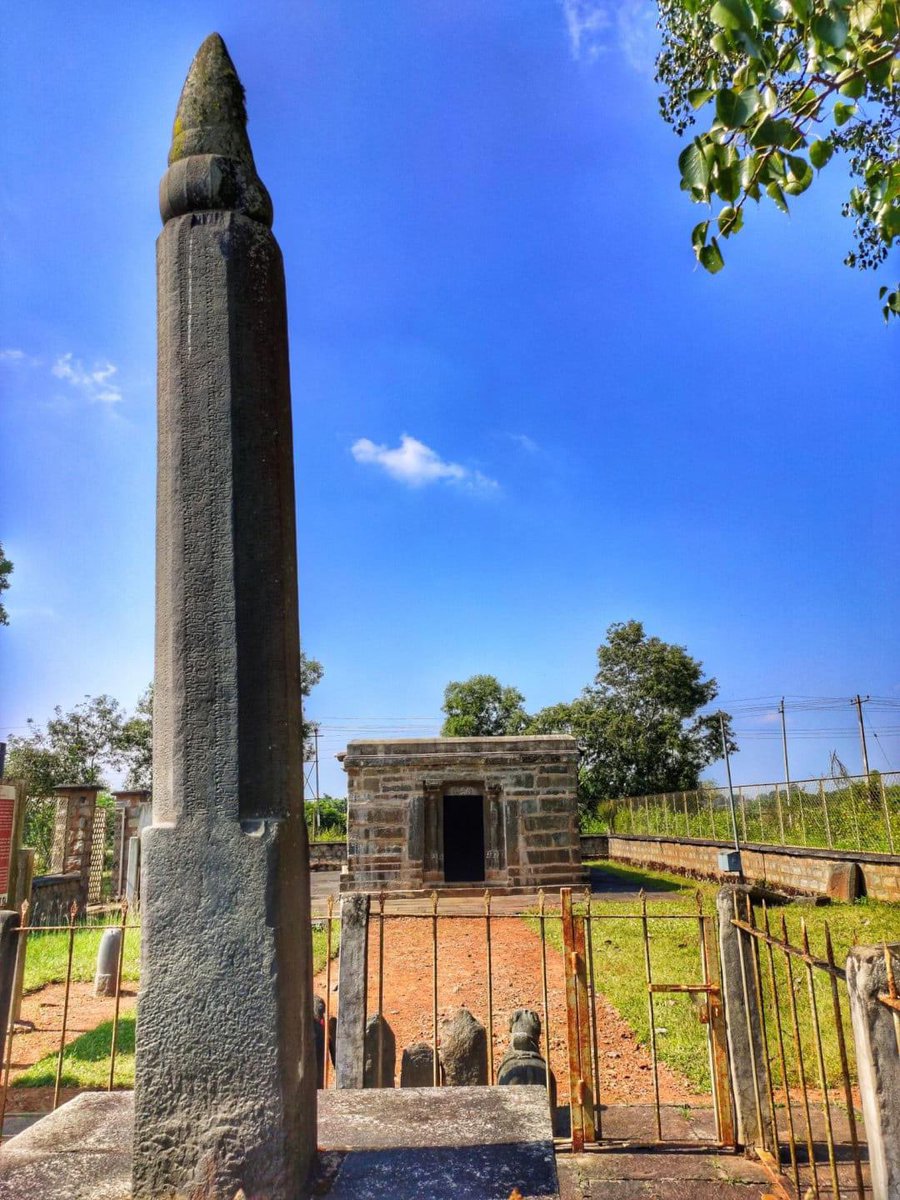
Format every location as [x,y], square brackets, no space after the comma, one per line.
[82,1152]
[416,1144]
[472,1143]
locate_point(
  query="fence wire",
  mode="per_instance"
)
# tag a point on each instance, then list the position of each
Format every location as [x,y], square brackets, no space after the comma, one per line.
[852,813]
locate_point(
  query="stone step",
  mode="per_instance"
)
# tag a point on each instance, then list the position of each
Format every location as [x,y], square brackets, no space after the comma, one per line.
[456,1143]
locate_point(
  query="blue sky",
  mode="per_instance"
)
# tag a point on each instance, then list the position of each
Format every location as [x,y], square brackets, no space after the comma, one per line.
[521,411]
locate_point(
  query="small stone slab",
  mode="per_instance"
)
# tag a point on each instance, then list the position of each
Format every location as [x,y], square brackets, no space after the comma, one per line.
[82,1151]
[469,1143]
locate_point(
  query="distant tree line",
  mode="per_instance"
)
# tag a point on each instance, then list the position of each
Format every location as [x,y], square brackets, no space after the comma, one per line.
[638,724]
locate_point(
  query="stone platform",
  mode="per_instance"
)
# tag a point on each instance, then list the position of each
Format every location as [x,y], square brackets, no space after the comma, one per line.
[473,1143]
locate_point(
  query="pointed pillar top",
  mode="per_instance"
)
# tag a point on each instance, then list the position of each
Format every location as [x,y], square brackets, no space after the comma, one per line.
[211,126]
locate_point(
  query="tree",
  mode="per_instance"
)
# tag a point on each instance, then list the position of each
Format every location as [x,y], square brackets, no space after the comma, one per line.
[637,724]
[75,747]
[6,569]
[311,672]
[482,707]
[787,86]
[136,743]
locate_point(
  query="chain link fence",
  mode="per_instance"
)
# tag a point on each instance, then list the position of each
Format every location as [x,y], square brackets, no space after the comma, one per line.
[848,813]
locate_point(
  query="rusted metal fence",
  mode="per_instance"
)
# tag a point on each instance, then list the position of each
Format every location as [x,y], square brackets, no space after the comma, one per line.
[70,932]
[850,813]
[810,1093]
[559,982]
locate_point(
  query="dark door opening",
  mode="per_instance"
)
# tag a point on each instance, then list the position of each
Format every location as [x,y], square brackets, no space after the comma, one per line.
[464,839]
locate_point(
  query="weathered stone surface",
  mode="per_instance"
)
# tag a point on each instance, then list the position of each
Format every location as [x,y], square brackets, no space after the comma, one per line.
[464,1050]
[417,1066]
[744,1023]
[106,974]
[227,1101]
[452,1143]
[371,1076]
[399,791]
[351,1023]
[844,882]
[877,1063]
[523,1062]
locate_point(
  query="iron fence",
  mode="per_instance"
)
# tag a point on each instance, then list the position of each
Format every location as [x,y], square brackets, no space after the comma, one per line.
[561,982]
[852,813]
[811,1095]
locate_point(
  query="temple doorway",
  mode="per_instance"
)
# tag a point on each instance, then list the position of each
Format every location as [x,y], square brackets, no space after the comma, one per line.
[464,839]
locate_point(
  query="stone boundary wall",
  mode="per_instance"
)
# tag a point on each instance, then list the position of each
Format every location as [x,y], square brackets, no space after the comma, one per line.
[327,856]
[51,897]
[790,868]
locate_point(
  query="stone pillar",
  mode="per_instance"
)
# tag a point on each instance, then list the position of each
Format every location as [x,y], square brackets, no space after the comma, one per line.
[225,1074]
[746,1048]
[9,944]
[877,1062]
[73,834]
[350,1042]
[24,880]
[132,814]
[132,889]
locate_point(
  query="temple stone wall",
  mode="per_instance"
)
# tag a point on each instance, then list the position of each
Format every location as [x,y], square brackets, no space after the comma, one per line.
[396,811]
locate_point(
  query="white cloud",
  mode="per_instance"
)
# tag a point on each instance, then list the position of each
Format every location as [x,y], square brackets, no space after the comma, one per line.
[524,442]
[95,384]
[415,464]
[596,26]
[11,355]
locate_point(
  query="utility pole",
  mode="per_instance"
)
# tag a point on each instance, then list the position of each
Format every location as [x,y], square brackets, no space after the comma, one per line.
[787,770]
[859,701]
[734,828]
[316,809]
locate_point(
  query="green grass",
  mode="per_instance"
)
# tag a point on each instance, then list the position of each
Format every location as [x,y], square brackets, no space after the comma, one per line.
[47,954]
[86,1059]
[675,958]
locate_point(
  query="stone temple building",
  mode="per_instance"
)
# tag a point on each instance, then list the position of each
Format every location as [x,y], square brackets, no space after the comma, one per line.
[474,812]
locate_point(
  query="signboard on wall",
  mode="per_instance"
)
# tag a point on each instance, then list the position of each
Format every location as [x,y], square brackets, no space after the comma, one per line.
[12,816]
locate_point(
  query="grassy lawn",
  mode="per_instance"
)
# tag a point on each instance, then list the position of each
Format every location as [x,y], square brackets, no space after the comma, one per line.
[47,954]
[675,958]
[86,1059]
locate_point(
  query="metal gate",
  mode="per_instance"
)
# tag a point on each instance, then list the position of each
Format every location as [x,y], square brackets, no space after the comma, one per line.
[557,973]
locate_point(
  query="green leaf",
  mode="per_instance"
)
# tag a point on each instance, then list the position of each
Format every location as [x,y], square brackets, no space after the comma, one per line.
[727,182]
[735,108]
[843,113]
[732,14]
[820,153]
[694,169]
[711,257]
[801,175]
[730,221]
[775,192]
[699,96]
[800,9]
[854,87]
[698,235]
[832,27]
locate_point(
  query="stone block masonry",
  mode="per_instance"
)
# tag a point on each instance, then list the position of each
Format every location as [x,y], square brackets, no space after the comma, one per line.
[789,868]
[497,812]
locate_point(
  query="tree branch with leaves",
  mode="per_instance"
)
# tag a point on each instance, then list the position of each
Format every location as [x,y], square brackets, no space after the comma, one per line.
[787,85]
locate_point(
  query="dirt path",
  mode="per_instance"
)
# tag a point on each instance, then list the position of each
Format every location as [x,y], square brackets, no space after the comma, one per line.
[625,1068]
[42,1013]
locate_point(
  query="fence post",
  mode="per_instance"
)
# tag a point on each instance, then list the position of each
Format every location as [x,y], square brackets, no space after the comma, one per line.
[349,1066]
[24,881]
[9,939]
[824,795]
[877,1062]
[780,815]
[887,816]
[744,1023]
